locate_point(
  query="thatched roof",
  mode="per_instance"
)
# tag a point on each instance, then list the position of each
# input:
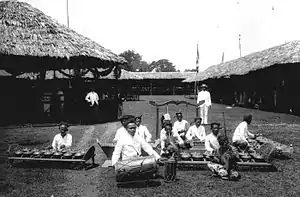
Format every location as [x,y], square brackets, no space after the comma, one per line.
[165,75]
[55,74]
[282,54]
[26,32]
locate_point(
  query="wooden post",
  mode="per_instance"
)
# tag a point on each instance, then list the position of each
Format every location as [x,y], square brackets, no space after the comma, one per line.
[157,121]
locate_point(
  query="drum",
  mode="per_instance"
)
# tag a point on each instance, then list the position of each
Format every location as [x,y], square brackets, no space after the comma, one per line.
[136,169]
[170,170]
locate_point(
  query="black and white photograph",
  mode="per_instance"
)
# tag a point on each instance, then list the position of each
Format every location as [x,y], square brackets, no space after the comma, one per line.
[149,98]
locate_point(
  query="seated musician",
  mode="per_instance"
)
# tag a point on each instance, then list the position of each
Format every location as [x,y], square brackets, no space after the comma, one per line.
[142,130]
[169,140]
[129,145]
[242,137]
[165,118]
[211,141]
[224,158]
[63,140]
[181,125]
[197,131]
[122,128]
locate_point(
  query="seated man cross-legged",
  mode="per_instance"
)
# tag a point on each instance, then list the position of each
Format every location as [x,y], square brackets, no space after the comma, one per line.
[129,145]
[169,140]
[242,137]
[181,125]
[63,140]
[223,162]
[197,131]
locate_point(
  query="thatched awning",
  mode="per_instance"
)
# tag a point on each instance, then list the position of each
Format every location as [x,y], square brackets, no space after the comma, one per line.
[165,75]
[282,54]
[28,34]
[124,75]
[66,73]
[3,73]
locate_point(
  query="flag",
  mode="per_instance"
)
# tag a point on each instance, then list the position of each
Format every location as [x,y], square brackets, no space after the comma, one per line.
[197,59]
[222,58]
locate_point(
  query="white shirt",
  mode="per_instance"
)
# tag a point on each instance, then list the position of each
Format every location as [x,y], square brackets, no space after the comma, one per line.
[59,140]
[179,126]
[195,131]
[92,97]
[241,133]
[163,138]
[119,133]
[130,147]
[143,132]
[204,95]
[211,143]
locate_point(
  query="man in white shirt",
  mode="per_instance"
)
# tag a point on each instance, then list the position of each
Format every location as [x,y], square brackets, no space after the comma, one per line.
[180,126]
[197,131]
[130,145]
[169,140]
[63,140]
[211,141]
[203,94]
[241,136]
[92,97]
[122,129]
[142,130]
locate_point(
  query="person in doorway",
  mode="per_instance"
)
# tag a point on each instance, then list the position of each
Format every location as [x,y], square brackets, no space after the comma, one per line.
[197,131]
[63,140]
[93,98]
[180,126]
[204,95]
[142,130]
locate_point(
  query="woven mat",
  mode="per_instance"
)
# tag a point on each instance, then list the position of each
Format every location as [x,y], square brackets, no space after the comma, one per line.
[106,164]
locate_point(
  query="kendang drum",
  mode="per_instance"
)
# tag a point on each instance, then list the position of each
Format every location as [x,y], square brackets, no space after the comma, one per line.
[136,169]
[170,170]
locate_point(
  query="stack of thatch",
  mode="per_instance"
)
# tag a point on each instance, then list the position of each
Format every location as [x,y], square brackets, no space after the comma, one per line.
[32,41]
[282,54]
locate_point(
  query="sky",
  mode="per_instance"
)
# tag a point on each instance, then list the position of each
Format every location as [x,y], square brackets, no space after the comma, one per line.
[171,29]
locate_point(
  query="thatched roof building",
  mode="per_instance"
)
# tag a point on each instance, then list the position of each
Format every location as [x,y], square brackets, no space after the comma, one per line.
[282,54]
[28,34]
[165,75]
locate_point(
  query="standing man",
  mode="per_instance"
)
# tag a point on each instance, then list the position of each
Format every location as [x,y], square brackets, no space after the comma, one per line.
[93,98]
[204,94]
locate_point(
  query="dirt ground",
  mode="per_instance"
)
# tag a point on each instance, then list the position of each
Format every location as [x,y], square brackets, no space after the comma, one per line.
[27,180]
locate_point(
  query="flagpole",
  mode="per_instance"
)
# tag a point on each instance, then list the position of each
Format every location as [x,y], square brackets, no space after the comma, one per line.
[197,70]
[68,23]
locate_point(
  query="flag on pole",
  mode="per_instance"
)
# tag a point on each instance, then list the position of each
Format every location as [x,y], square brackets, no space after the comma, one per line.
[222,58]
[197,59]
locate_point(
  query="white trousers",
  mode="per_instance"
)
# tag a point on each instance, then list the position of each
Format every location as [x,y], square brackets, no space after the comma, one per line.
[204,113]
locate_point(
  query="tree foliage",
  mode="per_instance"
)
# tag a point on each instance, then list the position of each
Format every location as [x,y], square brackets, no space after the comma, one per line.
[162,65]
[137,64]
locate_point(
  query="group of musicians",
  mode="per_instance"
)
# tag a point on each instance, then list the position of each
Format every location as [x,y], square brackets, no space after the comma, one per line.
[132,137]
